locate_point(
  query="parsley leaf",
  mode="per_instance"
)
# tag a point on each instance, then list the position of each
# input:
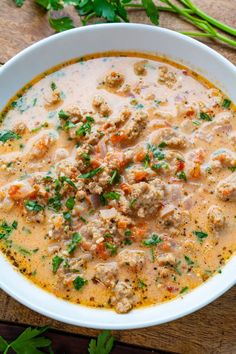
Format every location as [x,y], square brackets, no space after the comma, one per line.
[8,135]
[19,3]
[67,180]
[76,238]
[183,290]
[6,229]
[151,11]
[30,341]
[182,175]
[33,205]
[188,260]
[63,115]
[141,284]
[103,8]
[79,282]
[205,116]
[226,103]
[70,203]
[200,235]
[109,196]
[152,241]
[61,24]
[92,173]
[103,344]
[115,177]
[112,248]
[56,262]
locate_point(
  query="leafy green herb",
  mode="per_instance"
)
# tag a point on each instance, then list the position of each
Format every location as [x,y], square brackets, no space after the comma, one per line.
[103,345]
[56,262]
[153,240]
[151,11]
[188,260]
[67,216]
[205,116]
[141,284]
[109,196]
[200,235]
[14,224]
[196,122]
[146,160]
[19,3]
[86,127]
[83,219]
[70,203]
[63,115]
[115,177]
[162,145]
[92,173]
[79,282]
[183,290]
[55,202]
[233,169]
[76,238]
[86,157]
[24,251]
[112,248]
[226,103]
[30,341]
[61,24]
[67,180]
[177,268]
[33,205]
[53,86]
[182,175]
[8,135]
[69,125]
[132,202]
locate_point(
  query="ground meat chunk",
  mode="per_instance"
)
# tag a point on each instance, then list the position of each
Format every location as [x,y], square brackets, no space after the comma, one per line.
[136,124]
[226,189]
[114,80]
[107,273]
[166,258]
[74,114]
[101,106]
[140,67]
[146,197]
[166,77]
[171,137]
[227,158]
[61,154]
[216,218]
[53,99]
[41,146]
[133,258]
[20,128]
[123,299]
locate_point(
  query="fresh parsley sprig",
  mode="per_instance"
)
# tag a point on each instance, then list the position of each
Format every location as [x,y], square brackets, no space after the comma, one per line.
[118,11]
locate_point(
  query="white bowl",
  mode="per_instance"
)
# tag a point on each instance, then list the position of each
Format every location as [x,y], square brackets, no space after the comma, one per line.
[100,38]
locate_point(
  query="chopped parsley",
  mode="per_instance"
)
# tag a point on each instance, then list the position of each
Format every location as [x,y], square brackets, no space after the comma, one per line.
[86,157]
[200,235]
[79,282]
[153,240]
[127,239]
[53,86]
[141,284]
[8,135]
[115,177]
[226,103]
[56,262]
[233,169]
[109,196]
[67,216]
[67,180]
[6,229]
[188,260]
[112,248]
[70,203]
[33,205]
[162,145]
[205,116]
[55,202]
[92,173]
[183,290]
[85,128]
[76,238]
[132,202]
[63,115]
[182,175]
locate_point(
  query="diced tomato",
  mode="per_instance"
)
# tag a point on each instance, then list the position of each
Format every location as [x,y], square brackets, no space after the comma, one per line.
[13,190]
[140,176]
[196,171]
[117,138]
[122,224]
[101,251]
[180,165]
[140,156]
[139,231]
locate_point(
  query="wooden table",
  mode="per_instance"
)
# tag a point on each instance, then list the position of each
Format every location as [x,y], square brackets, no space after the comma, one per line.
[210,330]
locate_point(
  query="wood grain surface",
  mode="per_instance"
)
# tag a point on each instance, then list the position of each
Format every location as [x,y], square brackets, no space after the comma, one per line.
[208,331]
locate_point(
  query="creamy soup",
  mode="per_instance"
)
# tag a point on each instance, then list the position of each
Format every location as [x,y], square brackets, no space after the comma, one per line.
[118,182]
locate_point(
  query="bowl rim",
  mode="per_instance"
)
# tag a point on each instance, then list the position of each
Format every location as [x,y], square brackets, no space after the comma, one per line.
[118,321]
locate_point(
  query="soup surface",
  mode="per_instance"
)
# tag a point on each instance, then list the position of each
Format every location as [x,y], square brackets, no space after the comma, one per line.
[118,182]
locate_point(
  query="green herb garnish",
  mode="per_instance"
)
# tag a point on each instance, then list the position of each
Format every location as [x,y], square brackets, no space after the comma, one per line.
[63,115]
[33,205]
[205,116]
[200,235]
[56,262]
[79,282]
[153,240]
[70,203]
[226,103]
[92,173]
[112,248]
[141,284]
[183,290]
[76,238]
[188,260]
[182,175]
[8,135]
[115,177]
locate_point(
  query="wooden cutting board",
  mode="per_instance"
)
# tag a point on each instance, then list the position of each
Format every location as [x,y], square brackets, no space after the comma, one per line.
[210,330]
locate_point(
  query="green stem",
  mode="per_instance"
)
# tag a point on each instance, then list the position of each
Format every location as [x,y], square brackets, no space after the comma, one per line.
[208,18]
[88,17]
[225,39]
[196,34]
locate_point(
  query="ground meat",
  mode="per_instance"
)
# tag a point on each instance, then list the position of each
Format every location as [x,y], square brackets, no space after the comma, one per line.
[140,67]
[82,156]
[132,258]
[114,80]
[101,106]
[226,189]
[42,146]
[20,128]
[146,197]
[216,218]
[166,259]
[53,99]
[226,157]
[123,299]
[166,77]
[61,154]
[107,273]
[136,125]
[171,137]
[74,114]
[66,167]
